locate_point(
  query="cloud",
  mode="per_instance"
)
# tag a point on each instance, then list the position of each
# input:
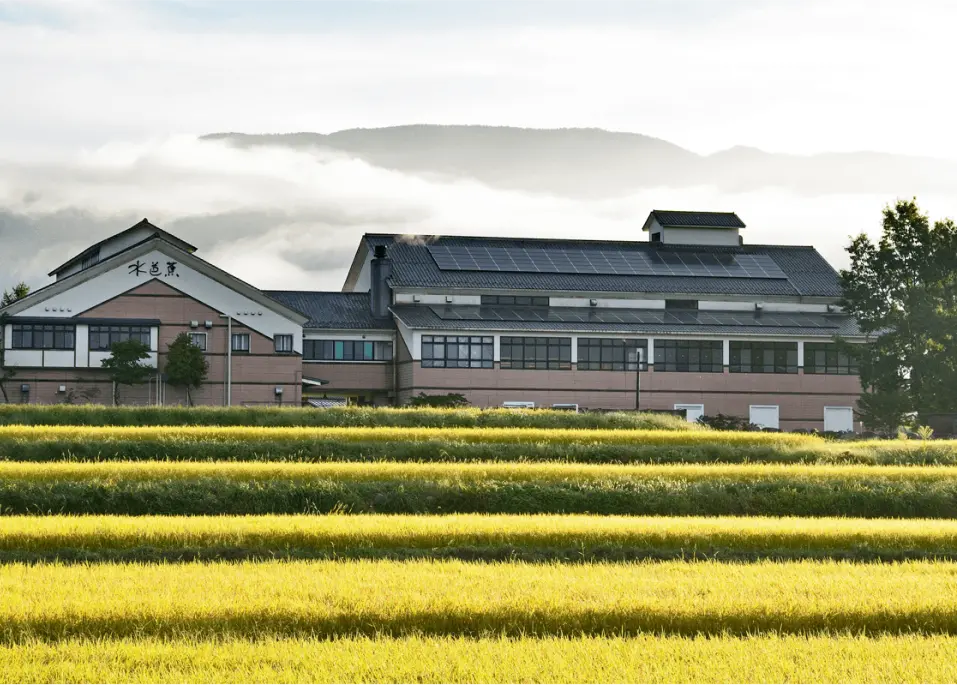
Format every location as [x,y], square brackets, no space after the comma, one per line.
[292,219]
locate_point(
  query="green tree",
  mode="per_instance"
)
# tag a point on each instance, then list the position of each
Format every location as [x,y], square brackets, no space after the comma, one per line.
[19,291]
[903,292]
[124,365]
[186,365]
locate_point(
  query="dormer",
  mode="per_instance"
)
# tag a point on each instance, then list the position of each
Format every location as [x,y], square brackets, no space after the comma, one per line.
[693,228]
[115,244]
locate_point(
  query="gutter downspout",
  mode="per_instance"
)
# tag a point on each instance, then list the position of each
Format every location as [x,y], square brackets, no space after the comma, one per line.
[229,358]
[395,367]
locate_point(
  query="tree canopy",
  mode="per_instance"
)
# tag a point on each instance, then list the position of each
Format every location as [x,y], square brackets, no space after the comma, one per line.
[903,292]
[186,366]
[125,364]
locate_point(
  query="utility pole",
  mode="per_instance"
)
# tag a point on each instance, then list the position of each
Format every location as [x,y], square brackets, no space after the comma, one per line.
[229,358]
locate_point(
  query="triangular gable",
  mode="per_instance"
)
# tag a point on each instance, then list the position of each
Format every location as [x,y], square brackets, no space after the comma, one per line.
[160,261]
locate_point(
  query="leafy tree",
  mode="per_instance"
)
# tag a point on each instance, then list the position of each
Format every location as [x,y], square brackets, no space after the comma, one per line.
[124,365]
[903,292]
[19,291]
[186,365]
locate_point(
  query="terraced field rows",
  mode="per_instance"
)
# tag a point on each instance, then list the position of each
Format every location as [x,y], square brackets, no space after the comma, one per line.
[209,554]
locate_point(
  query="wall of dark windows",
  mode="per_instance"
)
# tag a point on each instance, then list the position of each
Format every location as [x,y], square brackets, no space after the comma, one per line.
[37,336]
[458,351]
[825,358]
[535,353]
[612,354]
[515,300]
[347,350]
[695,356]
[763,357]
[102,337]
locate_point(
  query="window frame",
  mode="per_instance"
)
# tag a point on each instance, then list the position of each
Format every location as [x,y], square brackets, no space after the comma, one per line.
[607,354]
[35,330]
[743,353]
[118,333]
[205,346]
[471,352]
[685,356]
[240,350]
[515,300]
[285,337]
[538,353]
[324,350]
[835,362]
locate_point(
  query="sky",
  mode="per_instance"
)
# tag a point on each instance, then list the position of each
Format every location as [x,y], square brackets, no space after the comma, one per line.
[102,103]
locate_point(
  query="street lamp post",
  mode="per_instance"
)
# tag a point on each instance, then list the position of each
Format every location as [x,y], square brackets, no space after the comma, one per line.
[229,358]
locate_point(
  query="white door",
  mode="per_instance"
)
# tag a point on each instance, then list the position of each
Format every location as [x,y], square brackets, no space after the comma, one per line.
[692,411]
[839,419]
[764,415]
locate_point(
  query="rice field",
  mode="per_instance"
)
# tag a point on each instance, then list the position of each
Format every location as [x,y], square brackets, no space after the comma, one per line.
[767,658]
[572,537]
[465,546]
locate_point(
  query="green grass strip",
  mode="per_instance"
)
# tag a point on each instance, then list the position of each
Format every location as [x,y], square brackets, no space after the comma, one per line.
[170,488]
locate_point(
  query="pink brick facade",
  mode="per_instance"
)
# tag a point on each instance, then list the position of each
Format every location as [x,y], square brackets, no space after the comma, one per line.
[364,382]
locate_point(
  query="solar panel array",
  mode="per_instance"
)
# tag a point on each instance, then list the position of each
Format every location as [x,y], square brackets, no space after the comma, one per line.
[631,316]
[604,261]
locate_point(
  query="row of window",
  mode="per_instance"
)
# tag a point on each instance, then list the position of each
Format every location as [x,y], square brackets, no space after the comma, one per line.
[612,354]
[346,350]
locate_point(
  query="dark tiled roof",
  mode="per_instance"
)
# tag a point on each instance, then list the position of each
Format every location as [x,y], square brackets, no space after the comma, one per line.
[427,317]
[807,272]
[332,309]
[700,219]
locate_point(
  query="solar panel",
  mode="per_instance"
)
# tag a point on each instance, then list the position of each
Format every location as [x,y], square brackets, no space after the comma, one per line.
[630,316]
[604,261]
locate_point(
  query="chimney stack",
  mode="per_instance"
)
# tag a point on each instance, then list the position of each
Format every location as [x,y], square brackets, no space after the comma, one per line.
[380,294]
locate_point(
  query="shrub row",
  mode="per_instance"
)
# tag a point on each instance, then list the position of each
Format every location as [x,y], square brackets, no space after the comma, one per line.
[95,415]
[867,492]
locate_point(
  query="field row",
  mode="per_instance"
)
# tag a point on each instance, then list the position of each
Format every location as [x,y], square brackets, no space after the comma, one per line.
[646,658]
[93,415]
[170,488]
[191,443]
[346,598]
[566,538]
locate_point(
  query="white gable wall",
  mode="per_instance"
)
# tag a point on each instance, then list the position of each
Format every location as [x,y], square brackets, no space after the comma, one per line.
[94,291]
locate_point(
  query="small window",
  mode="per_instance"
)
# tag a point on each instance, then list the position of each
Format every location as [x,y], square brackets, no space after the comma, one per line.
[198,339]
[683,305]
[240,342]
[515,300]
[283,343]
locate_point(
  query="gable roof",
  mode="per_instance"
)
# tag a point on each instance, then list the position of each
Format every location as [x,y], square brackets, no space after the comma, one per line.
[153,232]
[332,309]
[144,247]
[806,272]
[675,219]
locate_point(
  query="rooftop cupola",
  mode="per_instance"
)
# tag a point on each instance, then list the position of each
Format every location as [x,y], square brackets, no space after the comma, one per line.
[693,228]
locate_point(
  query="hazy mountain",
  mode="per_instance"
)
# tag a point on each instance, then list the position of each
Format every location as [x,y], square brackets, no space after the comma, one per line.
[598,163]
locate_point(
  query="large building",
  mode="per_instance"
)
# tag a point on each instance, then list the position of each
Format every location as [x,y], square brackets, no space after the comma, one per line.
[691,318]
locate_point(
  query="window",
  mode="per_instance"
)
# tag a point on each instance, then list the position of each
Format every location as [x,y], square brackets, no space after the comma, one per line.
[825,358]
[536,353]
[347,350]
[240,342]
[283,343]
[92,259]
[695,356]
[763,357]
[45,336]
[198,339]
[684,305]
[103,337]
[611,354]
[516,300]
[458,351]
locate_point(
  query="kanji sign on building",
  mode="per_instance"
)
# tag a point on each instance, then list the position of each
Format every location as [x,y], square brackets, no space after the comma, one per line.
[154,269]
